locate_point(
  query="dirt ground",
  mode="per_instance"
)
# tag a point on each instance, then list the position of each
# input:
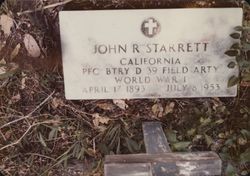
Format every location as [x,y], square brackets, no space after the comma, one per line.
[42,133]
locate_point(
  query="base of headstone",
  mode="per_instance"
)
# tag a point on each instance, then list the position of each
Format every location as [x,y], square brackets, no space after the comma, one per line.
[160,161]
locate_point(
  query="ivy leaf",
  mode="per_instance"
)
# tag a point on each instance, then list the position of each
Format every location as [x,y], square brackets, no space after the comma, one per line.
[231,65]
[230,170]
[232,53]
[246,77]
[234,80]
[245,157]
[238,28]
[235,46]
[244,64]
[171,136]
[245,133]
[235,35]
[225,156]
[181,146]
[209,140]
[191,132]
[246,46]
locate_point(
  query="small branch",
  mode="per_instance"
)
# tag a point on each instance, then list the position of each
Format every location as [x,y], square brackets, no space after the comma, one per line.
[19,140]
[24,134]
[29,115]
[80,112]
[45,7]
[4,138]
[40,155]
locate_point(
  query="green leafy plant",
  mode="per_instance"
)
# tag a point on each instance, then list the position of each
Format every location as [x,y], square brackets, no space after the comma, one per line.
[241,51]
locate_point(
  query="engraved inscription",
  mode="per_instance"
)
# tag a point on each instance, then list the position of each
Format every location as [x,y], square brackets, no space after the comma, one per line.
[164,53]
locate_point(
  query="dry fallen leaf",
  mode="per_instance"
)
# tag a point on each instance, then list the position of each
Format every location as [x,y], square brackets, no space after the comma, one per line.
[2,62]
[16,98]
[31,46]
[8,70]
[106,106]
[242,141]
[6,24]
[216,103]
[8,134]
[169,108]
[3,69]
[121,104]
[2,44]
[15,51]
[157,110]
[56,102]
[99,120]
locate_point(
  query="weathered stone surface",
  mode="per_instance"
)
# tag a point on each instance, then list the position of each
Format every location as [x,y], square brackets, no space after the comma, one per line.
[183,164]
[171,53]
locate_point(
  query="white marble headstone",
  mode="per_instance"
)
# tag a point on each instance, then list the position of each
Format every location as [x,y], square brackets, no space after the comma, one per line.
[167,53]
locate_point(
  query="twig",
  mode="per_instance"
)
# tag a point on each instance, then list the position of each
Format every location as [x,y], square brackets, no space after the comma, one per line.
[40,155]
[4,138]
[45,7]
[20,114]
[80,112]
[19,140]
[24,134]
[27,116]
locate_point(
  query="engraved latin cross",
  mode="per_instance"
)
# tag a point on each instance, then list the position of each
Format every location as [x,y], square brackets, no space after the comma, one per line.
[151,25]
